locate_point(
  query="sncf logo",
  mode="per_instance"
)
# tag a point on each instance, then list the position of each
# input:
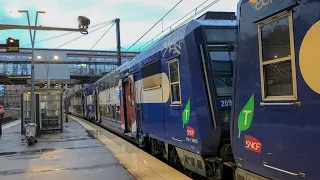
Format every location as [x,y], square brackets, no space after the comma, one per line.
[190,131]
[252,144]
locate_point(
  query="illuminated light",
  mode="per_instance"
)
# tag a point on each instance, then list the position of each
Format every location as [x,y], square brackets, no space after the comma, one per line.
[11,40]
[39,57]
[55,57]
[83,65]
[275,56]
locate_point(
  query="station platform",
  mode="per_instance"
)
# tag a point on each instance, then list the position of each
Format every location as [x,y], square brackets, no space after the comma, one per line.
[83,151]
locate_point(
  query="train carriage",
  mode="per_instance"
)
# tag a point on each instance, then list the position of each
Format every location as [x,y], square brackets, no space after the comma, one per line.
[178,93]
[275,124]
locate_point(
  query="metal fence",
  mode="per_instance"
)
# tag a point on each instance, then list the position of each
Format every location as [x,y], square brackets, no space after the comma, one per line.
[74,69]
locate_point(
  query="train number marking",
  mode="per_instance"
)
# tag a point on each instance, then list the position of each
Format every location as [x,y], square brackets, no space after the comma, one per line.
[226,103]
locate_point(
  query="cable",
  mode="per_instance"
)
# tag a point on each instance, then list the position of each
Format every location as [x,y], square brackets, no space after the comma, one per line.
[67,33]
[79,37]
[101,37]
[154,25]
[176,22]
[197,13]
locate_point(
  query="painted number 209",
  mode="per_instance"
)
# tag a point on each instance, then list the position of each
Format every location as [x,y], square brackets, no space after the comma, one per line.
[226,103]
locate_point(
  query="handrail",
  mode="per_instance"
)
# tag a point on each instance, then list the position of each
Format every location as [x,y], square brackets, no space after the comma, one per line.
[281,104]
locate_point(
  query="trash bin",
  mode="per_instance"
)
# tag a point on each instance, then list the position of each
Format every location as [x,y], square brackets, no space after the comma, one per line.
[31,130]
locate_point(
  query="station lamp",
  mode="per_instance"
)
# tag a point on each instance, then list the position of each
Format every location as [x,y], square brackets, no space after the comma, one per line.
[12,45]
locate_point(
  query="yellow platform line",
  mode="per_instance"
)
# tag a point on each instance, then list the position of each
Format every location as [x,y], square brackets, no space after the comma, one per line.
[139,163]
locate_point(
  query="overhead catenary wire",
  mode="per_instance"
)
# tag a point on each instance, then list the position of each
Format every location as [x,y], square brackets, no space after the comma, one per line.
[170,27]
[154,25]
[181,24]
[67,33]
[102,36]
[79,37]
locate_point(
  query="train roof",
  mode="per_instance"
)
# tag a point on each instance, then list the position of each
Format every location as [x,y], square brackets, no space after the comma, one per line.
[173,37]
[243,1]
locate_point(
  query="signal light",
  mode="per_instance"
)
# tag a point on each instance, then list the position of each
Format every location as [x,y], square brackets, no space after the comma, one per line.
[12,45]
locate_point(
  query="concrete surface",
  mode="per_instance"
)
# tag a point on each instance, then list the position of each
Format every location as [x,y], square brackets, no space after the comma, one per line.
[74,154]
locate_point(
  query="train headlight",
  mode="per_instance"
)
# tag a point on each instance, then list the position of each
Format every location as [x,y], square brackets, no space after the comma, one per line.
[224,116]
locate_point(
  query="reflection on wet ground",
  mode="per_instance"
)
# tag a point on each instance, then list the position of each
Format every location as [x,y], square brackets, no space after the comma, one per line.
[73,154]
[141,164]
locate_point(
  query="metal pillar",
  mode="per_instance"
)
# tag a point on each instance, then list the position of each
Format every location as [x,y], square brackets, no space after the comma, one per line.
[118,41]
[33,100]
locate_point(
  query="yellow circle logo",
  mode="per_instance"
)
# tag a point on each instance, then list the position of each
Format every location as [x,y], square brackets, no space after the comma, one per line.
[310,58]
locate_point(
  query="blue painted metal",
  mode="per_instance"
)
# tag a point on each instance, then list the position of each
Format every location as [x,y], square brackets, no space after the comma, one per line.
[289,134]
[163,121]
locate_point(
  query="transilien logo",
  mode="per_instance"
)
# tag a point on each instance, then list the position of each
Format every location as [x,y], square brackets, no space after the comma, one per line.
[245,116]
[186,114]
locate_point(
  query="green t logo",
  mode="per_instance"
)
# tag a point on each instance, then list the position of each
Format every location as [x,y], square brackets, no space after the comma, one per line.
[245,116]
[186,114]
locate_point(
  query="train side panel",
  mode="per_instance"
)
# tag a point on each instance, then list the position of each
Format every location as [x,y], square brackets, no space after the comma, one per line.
[277,96]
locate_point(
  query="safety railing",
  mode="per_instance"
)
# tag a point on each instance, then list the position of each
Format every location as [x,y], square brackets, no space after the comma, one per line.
[74,69]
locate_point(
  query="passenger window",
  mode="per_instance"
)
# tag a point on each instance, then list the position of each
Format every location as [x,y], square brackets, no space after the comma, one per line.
[108,82]
[116,78]
[278,79]
[150,74]
[112,80]
[174,78]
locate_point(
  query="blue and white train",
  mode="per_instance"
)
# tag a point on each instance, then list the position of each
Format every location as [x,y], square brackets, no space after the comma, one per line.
[174,98]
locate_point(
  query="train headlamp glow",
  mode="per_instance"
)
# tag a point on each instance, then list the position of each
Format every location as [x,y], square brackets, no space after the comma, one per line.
[226,117]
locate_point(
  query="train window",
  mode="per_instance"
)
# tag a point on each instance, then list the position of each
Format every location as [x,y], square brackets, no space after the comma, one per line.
[112,80]
[221,35]
[116,82]
[222,63]
[174,76]
[108,82]
[150,75]
[277,61]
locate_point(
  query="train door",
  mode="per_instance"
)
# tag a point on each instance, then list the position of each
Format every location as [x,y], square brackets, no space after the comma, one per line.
[128,105]
[96,105]
[83,103]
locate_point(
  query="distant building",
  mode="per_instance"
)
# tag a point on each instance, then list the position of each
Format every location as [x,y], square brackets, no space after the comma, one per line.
[11,95]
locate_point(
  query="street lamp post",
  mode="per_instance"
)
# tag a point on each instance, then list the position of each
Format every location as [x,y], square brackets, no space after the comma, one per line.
[48,66]
[33,109]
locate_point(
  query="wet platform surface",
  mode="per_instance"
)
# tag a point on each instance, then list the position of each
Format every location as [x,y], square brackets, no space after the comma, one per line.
[73,154]
[139,163]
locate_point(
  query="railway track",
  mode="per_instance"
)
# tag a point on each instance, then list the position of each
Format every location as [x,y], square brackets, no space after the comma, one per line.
[10,115]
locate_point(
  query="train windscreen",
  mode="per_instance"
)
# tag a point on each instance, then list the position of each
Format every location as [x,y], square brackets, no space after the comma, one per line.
[222,63]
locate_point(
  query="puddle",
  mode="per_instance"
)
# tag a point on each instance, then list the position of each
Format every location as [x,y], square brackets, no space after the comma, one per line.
[42,151]
[88,169]
[27,152]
